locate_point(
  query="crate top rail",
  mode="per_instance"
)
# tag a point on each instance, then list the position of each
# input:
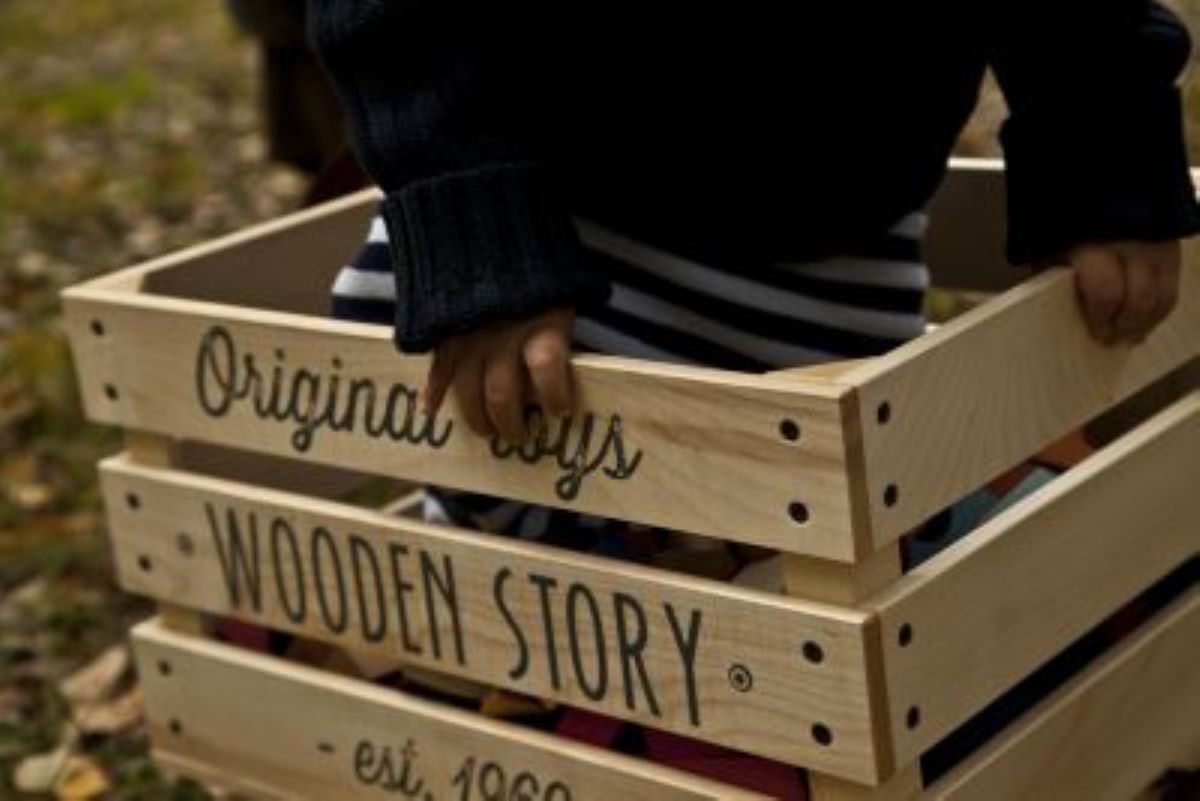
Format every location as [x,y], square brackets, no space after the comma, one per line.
[806,461]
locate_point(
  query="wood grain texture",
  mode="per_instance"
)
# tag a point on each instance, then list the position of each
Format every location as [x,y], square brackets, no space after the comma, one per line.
[289,263]
[991,608]
[904,785]
[217,782]
[841,583]
[155,450]
[271,471]
[713,661]
[1106,735]
[849,585]
[293,732]
[952,410]
[286,264]
[691,449]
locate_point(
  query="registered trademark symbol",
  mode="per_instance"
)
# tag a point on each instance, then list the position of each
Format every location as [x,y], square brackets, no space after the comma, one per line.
[740,678]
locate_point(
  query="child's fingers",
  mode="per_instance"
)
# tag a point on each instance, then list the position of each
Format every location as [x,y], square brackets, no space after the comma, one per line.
[1100,281]
[441,374]
[468,391]
[1139,312]
[503,393]
[547,357]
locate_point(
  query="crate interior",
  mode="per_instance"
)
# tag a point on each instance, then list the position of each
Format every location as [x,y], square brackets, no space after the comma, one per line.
[291,268]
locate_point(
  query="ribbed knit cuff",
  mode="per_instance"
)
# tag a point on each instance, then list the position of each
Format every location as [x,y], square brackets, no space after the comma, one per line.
[1071,182]
[476,246]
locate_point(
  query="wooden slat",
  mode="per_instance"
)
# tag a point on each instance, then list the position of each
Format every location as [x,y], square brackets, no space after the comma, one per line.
[1109,733]
[904,785]
[952,410]
[289,263]
[1105,735]
[155,450]
[839,582]
[217,782]
[293,732]
[1144,404]
[691,449]
[820,580]
[991,608]
[701,658]
[965,243]
[286,264]
[305,478]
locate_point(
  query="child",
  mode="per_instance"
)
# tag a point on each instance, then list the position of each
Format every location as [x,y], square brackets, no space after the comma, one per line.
[751,182]
[666,307]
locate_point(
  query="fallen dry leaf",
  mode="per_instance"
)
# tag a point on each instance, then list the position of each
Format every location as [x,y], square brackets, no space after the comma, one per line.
[110,717]
[96,680]
[38,773]
[30,495]
[81,780]
[29,594]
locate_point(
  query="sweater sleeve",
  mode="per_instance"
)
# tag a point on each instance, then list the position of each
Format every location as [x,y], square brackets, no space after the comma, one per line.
[1094,141]
[442,97]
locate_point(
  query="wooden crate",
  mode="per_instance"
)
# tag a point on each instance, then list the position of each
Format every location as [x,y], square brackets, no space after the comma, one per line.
[251,415]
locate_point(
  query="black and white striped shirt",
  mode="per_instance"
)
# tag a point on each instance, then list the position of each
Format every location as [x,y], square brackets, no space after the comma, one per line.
[668,308]
[665,307]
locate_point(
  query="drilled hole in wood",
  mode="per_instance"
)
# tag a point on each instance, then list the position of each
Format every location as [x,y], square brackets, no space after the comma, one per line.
[164,667]
[144,563]
[175,726]
[110,392]
[183,541]
[884,413]
[813,652]
[97,328]
[822,734]
[133,501]
[891,494]
[905,635]
[798,512]
[913,717]
[789,430]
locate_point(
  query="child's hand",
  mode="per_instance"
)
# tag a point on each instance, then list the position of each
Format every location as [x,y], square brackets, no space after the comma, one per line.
[497,369]
[1126,288]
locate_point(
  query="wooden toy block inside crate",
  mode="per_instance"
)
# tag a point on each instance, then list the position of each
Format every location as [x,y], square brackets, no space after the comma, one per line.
[252,415]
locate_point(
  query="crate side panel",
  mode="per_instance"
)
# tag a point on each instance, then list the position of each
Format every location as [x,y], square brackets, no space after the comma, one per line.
[307,734]
[1109,733]
[698,657]
[993,607]
[697,450]
[952,410]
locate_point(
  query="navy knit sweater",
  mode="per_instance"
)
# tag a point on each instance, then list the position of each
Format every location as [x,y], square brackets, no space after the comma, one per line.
[732,133]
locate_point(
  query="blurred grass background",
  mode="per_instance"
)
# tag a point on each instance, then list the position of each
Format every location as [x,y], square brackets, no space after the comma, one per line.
[128,128]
